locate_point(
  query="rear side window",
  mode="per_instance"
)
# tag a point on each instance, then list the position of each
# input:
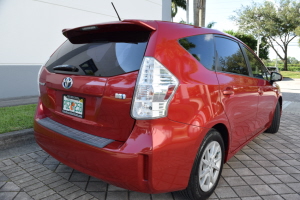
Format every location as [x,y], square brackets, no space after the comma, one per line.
[258,69]
[202,48]
[230,57]
[99,58]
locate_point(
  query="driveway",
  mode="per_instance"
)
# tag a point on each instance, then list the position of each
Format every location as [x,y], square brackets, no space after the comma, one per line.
[267,168]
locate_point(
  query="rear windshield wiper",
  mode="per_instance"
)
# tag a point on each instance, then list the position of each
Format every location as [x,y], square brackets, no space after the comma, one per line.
[69,68]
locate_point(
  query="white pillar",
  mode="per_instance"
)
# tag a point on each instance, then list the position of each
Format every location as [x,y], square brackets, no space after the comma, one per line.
[187,11]
[166,10]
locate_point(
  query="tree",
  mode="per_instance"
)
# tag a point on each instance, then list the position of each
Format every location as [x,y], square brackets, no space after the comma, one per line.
[276,22]
[210,24]
[298,33]
[251,42]
[278,61]
[176,4]
[184,22]
[292,60]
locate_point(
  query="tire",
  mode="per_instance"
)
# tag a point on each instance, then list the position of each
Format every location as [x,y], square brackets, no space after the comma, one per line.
[200,188]
[275,121]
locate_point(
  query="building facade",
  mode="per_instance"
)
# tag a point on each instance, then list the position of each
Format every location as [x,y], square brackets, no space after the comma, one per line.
[31,30]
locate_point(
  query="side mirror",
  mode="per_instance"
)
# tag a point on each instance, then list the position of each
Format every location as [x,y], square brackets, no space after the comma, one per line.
[275,76]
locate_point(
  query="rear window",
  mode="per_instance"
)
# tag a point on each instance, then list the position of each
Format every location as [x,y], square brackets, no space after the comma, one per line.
[102,58]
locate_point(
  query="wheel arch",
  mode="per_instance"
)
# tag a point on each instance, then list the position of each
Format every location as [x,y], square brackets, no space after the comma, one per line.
[280,102]
[222,129]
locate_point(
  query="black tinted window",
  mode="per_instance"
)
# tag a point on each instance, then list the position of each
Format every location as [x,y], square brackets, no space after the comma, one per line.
[230,57]
[201,47]
[99,59]
[258,69]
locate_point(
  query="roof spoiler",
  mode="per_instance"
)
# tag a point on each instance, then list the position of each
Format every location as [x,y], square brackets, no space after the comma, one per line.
[108,31]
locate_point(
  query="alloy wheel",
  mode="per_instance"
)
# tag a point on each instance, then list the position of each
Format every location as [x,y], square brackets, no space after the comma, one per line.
[209,167]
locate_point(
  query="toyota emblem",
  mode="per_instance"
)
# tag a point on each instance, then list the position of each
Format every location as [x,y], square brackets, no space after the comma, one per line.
[67,83]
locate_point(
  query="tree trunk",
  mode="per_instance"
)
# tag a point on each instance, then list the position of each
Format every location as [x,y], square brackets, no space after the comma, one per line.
[199,12]
[196,13]
[285,59]
[202,15]
[187,12]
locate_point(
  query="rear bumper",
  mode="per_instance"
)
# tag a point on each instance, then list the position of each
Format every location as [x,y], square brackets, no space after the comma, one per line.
[111,165]
[157,157]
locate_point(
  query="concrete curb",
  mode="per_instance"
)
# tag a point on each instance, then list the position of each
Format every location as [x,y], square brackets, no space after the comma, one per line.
[18,101]
[16,138]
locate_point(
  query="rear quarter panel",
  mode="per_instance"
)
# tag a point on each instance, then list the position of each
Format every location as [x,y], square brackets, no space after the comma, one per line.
[197,99]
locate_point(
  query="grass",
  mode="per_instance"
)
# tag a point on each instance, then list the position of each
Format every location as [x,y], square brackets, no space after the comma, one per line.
[289,74]
[16,117]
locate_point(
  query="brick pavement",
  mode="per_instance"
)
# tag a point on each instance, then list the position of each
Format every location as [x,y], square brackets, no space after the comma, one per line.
[267,168]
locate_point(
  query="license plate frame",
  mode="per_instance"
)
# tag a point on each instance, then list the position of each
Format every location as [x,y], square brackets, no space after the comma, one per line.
[73,105]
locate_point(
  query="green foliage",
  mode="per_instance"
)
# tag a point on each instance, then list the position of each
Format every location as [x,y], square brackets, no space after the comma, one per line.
[292,60]
[292,68]
[188,45]
[16,118]
[276,22]
[176,4]
[184,22]
[251,42]
[180,3]
[278,61]
[269,19]
[297,31]
[210,24]
[234,63]
[174,9]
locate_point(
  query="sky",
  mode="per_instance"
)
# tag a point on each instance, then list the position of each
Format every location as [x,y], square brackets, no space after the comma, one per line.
[219,11]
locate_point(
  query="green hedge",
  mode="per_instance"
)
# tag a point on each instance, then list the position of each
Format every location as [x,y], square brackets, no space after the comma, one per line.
[289,65]
[290,68]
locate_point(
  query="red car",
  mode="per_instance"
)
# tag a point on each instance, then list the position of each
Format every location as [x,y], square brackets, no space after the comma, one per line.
[153,106]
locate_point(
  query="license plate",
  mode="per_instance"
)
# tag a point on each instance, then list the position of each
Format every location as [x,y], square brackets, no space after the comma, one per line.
[73,105]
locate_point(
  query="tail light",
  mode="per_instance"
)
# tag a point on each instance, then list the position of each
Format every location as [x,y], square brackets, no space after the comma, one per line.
[155,88]
[38,77]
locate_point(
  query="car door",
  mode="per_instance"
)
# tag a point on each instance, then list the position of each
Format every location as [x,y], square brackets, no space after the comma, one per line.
[239,94]
[267,94]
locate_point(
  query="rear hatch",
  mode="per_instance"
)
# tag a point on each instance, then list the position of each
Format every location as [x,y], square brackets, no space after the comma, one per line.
[90,79]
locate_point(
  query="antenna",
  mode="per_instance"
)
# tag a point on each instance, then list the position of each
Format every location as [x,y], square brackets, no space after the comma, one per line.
[116,11]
